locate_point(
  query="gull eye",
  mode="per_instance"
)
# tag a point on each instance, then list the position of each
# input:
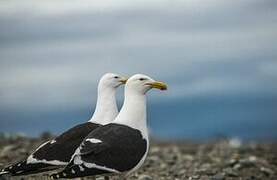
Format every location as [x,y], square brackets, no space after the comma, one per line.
[142,79]
[116,77]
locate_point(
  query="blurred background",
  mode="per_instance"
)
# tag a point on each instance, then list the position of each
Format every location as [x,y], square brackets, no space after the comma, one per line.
[218,57]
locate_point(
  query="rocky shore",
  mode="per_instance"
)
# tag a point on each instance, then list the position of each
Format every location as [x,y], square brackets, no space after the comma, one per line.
[223,159]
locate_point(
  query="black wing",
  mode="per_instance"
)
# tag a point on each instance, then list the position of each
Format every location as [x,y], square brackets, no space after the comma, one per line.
[121,148]
[64,146]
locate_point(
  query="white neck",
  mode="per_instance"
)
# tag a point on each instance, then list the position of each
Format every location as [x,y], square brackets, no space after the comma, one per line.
[106,107]
[133,112]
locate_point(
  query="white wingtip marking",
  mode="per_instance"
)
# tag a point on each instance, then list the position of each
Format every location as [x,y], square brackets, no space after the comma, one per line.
[19,164]
[81,168]
[32,160]
[53,141]
[4,172]
[93,140]
[93,165]
[77,160]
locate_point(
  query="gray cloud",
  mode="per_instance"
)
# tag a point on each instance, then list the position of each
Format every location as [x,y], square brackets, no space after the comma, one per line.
[51,60]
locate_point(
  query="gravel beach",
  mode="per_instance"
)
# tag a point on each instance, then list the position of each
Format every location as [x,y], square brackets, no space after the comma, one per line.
[223,159]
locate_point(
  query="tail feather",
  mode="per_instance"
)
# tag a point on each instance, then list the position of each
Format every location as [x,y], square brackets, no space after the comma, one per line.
[22,168]
[3,172]
[77,171]
[13,169]
[56,175]
[63,174]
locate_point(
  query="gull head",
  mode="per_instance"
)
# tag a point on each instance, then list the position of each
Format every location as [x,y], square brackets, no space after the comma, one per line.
[112,80]
[141,83]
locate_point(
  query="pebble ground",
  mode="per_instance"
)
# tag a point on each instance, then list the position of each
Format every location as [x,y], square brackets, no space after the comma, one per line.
[217,160]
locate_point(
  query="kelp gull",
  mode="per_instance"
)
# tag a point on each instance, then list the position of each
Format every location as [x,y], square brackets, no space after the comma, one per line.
[58,152]
[120,147]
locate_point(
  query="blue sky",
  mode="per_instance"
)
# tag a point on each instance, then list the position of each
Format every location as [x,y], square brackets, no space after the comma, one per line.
[53,52]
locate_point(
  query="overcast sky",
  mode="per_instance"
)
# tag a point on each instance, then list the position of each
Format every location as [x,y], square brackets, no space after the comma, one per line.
[53,52]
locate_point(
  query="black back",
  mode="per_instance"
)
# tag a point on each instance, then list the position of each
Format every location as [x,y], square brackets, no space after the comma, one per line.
[61,150]
[65,144]
[122,147]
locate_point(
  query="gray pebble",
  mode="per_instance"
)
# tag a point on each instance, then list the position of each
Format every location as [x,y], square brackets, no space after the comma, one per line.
[218,177]
[145,177]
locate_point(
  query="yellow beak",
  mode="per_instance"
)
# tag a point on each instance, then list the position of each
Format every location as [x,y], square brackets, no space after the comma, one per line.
[123,80]
[158,85]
